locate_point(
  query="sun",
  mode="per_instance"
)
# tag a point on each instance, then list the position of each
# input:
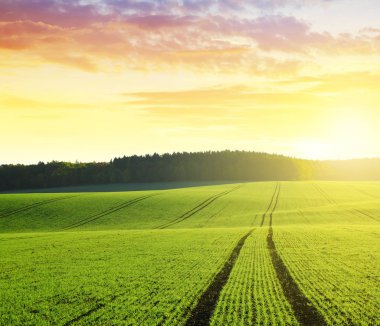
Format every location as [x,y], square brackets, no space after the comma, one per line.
[312,148]
[344,134]
[351,133]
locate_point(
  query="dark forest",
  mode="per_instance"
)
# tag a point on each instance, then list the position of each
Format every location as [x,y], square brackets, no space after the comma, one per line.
[200,166]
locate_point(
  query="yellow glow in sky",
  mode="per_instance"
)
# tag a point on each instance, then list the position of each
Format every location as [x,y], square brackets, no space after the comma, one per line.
[134,81]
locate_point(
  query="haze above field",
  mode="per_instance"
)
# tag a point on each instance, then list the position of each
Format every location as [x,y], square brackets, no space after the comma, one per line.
[91,80]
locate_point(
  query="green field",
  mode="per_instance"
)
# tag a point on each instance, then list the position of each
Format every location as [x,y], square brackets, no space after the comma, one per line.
[287,253]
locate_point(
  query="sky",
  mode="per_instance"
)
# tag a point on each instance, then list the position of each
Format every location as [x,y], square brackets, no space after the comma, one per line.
[93,80]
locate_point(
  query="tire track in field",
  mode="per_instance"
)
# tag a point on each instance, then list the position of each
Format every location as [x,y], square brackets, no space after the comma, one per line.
[111,298]
[275,204]
[324,194]
[204,309]
[154,296]
[254,220]
[270,205]
[365,193]
[202,312]
[303,309]
[87,313]
[197,208]
[31,206]
[213,215]
[106,300]
[367,215]
[106,212]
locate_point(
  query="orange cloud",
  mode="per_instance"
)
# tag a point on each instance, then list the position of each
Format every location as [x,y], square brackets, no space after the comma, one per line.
[154,35]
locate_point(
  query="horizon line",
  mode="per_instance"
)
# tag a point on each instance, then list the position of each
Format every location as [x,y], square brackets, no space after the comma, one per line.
[76,161]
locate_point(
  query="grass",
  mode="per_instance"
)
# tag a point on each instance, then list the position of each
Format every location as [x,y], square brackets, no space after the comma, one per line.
[347,290]
[117,276]
[147,256]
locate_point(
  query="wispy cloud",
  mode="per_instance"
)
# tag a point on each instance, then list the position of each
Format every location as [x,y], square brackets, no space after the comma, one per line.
[154,34]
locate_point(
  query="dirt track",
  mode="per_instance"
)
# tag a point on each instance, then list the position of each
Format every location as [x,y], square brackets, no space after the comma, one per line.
[206,304]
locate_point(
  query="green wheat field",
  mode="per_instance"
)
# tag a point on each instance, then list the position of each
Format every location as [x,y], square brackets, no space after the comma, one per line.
[269,253]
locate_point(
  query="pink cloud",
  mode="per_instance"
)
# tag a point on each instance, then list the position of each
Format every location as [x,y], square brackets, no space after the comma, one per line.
[152,33]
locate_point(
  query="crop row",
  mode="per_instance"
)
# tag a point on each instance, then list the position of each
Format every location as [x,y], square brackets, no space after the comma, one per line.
[253,294]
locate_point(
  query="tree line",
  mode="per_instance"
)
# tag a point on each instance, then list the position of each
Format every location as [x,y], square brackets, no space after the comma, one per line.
[199,166]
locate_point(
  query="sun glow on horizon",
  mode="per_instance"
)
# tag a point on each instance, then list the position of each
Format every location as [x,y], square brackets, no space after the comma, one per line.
[91,82]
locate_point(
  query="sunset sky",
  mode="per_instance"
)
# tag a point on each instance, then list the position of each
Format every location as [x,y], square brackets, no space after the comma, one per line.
[91,80]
